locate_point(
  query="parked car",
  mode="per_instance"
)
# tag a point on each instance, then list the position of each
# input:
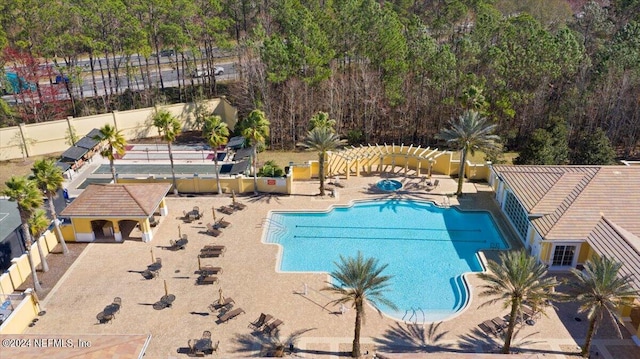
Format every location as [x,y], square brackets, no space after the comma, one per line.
[217,70]
[62,79]
[165,53]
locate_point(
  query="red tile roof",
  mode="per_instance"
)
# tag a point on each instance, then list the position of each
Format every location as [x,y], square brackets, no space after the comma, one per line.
[117,200]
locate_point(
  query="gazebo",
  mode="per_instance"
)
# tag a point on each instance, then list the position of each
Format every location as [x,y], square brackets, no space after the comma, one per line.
[113,211]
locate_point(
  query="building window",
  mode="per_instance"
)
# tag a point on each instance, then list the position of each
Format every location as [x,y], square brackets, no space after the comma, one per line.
[563,255]
[516,214]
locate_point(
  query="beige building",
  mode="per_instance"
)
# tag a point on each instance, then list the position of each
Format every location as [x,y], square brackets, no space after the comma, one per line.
[115,211]
[564,215]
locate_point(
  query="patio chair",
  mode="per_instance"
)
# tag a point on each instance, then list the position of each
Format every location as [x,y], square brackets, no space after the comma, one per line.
[117,301]
[219,305]
[211,230]
[192,346]
[221,223]
[501,323]
[230,315]
[489,327]
[269,328]
[206,280]
[210,254]
[225,210]
[238,206]
[261,321]
[206,334]
[208,269]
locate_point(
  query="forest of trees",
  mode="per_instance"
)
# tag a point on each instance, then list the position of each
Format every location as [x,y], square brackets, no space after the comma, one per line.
[386,71]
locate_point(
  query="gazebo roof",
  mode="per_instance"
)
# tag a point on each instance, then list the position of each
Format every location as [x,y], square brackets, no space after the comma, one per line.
[117,200]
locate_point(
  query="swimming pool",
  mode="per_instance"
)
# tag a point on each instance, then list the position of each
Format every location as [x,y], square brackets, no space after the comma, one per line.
[427,248]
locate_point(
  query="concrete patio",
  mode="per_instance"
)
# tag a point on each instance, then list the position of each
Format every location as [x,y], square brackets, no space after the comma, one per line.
[107,269]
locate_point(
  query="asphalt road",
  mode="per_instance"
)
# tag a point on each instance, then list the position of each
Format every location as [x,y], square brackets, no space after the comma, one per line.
[167,64]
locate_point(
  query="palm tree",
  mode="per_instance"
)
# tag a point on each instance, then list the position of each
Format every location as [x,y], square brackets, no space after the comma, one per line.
[601,289]
[321,119]
[256,130]
[322,139]
[469,133]
[216,133]
[169,128]
[358,281]
[26,194]
[115,144]
[518,278]
[49,179]
[38,224]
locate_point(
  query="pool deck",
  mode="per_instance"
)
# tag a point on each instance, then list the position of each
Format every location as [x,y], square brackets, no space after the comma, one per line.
[107,270]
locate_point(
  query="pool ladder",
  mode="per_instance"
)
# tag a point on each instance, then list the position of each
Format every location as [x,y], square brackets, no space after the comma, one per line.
[414,313]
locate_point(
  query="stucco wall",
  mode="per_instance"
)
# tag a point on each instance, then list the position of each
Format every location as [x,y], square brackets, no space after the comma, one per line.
[50,137]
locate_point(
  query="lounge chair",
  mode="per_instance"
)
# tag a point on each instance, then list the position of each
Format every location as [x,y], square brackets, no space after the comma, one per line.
[261,321]
[269,328]
[212,247]
[210,254]
[501,323]
[230,315]
[225,210]
[238,206]
[227,302]
[489,327]
[432,186]
[221,223]
[206,280]
[212,230]
[209,270]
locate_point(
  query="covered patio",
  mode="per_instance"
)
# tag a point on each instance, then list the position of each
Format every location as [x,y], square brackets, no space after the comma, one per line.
[117,211]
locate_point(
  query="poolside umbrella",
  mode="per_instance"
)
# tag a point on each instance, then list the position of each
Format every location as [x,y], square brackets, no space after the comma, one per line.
[213,210]
[179,232]
[221,299]
[199,264]
[153,259]
[166,289]
[233,196]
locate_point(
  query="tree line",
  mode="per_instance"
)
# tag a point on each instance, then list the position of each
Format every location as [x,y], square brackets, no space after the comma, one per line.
[387,71]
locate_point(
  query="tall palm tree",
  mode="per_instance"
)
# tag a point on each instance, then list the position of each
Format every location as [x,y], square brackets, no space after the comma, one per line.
[169,128]
[601,289]
[256,130]
[115,144]
[469,133]
[358,281]
[49,179]
[322,139]
[518,278]
[26,194]
[216,133]
[38,224]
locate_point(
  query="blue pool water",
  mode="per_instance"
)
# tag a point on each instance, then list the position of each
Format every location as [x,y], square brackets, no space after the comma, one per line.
[427,248]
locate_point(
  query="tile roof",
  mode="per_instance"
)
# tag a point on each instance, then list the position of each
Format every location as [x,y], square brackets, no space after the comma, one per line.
[117,200]
[599,204]
[609,239]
